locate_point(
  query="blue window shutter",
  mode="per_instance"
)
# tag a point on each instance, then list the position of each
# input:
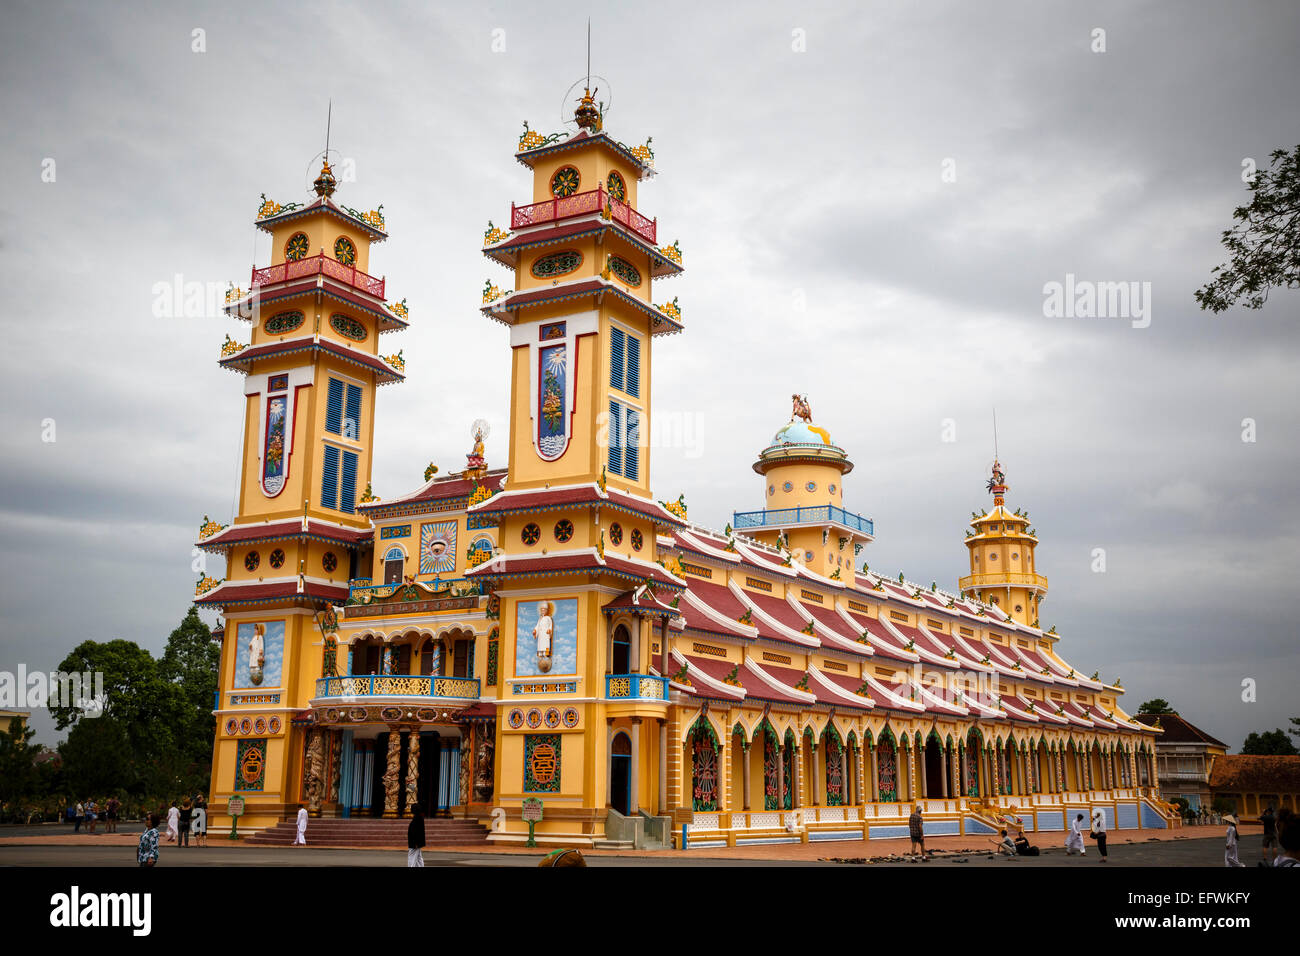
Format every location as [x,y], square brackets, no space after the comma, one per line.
[348,490]
[616,339]
[354,412]
[329,479]
[334,407]
[631,451]
[615,433]
[634,366]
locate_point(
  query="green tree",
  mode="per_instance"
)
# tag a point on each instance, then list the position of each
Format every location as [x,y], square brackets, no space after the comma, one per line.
[18,776]
[1269,743]
[97,759]
[1156,705]
[190,663]
[1264,245]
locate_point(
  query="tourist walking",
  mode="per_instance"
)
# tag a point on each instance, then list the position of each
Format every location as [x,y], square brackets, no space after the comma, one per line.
[1098,831]
[146,853]
[111,809]
[1270,835]
[916,829]
[79,817]
[1074,841]
[91,815]
[301,838]
[173,822]
[415,838]
[1230,847]
[199,823]
[187,813]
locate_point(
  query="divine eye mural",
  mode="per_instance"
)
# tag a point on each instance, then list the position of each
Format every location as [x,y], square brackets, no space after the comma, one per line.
[546,637]
[259,654]
[437,547]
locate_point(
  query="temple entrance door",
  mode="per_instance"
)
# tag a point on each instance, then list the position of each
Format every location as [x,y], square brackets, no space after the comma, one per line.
[377,778]
[620,658]
[427,793]
[933,770]
[620,787]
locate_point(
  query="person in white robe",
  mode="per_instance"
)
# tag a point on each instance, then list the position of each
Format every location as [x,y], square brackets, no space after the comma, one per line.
[1074,842]
[173,823]
[301,838]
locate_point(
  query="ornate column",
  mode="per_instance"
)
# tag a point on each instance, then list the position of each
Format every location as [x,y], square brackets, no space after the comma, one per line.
[393,772]
[923,790]
[874,791]
[796,795]
[746,764]
[609,760]
[634,801]
[315,759]
[817,777]
[780,777]
[724,773]
[412,768]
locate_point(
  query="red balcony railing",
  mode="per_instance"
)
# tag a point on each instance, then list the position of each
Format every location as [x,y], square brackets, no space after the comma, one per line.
[582,204]
[319,265]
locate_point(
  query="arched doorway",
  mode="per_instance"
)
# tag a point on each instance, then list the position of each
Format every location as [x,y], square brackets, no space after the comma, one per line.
[933,767]
[620,786]
[973,774]
[834,756]
[703,744]
[620,653]
[886,768]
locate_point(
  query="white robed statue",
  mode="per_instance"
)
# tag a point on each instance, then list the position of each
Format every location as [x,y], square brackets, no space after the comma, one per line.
[543,632]
[257,654]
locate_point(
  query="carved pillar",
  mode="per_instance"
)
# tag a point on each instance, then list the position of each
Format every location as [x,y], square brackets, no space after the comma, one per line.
[634,798]
[818,778]
[412,769]
[745,768]
[864,794]
[921,753]
[875,776]
[393,772]
[780,776]
[724,772]
[609,761]
[797,796]
[315,770]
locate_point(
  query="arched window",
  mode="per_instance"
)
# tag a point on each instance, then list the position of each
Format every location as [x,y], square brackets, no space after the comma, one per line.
[620,655]
[886,769]
[394,564]
[834,768]
[431,658]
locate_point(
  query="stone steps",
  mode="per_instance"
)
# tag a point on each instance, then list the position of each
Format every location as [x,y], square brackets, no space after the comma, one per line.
[370,832]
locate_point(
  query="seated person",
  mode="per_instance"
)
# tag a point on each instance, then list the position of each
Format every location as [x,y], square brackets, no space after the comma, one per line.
[1005,845]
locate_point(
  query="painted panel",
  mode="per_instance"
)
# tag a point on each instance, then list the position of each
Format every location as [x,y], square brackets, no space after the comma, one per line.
[1127,814]
[546,637]
[1050,820]
[542,763]
[1152,820]
[437,547]
[250,765]
[553,418]
[273,456]
[259,654]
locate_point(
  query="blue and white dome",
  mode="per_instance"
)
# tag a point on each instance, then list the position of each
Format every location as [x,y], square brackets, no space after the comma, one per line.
[802,433]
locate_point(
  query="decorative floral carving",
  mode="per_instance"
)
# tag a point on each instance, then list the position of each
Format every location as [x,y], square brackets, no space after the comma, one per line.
[209,528]
[205,585]
[492,235]
[230,347]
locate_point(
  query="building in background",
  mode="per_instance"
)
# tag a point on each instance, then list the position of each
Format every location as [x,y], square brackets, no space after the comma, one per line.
[1253,783]
[10,717]
[1185,757]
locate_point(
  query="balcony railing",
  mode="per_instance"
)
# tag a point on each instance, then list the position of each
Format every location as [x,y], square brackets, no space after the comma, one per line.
[635,687]
[319,265]
[399,685]
[584,204]
[779,517]
[1002,578]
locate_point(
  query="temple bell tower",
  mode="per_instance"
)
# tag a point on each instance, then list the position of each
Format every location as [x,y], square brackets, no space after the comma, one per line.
[1002,570]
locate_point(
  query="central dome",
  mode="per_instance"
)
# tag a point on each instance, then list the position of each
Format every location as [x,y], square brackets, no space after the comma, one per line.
[802,433]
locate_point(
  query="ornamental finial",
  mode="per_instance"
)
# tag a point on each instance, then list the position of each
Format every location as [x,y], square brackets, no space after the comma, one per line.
[587,115]
[801,408]
[325,183]
[997,483]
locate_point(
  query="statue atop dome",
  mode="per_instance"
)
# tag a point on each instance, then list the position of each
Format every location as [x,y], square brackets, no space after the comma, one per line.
[802,409]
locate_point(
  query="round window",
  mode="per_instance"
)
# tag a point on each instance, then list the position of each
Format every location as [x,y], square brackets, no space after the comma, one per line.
[832,488]
[771,490]
[329,562]
[344,251]
[808,556]
[787,487]
[616,533]
[637,540]
[811,486]
[993,557]
[277,558]
[617,188]
[297,247]
[531,534]
[563,530]
[565,182]
[252,560]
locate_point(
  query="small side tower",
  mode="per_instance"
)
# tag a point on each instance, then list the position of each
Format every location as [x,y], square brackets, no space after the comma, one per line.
[803,473]
[1002,558]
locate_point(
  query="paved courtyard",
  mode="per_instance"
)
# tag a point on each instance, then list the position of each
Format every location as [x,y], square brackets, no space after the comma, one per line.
[1192,847]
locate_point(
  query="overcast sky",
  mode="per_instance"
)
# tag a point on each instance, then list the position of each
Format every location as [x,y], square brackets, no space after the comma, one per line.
[802,153]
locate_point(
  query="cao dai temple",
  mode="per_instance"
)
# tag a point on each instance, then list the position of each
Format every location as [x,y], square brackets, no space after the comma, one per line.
[550,631]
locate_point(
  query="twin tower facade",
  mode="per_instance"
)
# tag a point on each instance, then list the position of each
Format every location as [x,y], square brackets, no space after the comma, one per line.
[548,640]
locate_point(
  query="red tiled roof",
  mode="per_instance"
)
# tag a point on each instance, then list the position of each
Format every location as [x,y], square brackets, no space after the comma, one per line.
[252,353]
[243,533]
[884,643]
[1249,773]
[577,495]
[715,669]
[230,593]
[580,561]
[505,252]
[783,693]
[1178,730]
[828,618]
[647,603]
[442,489]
